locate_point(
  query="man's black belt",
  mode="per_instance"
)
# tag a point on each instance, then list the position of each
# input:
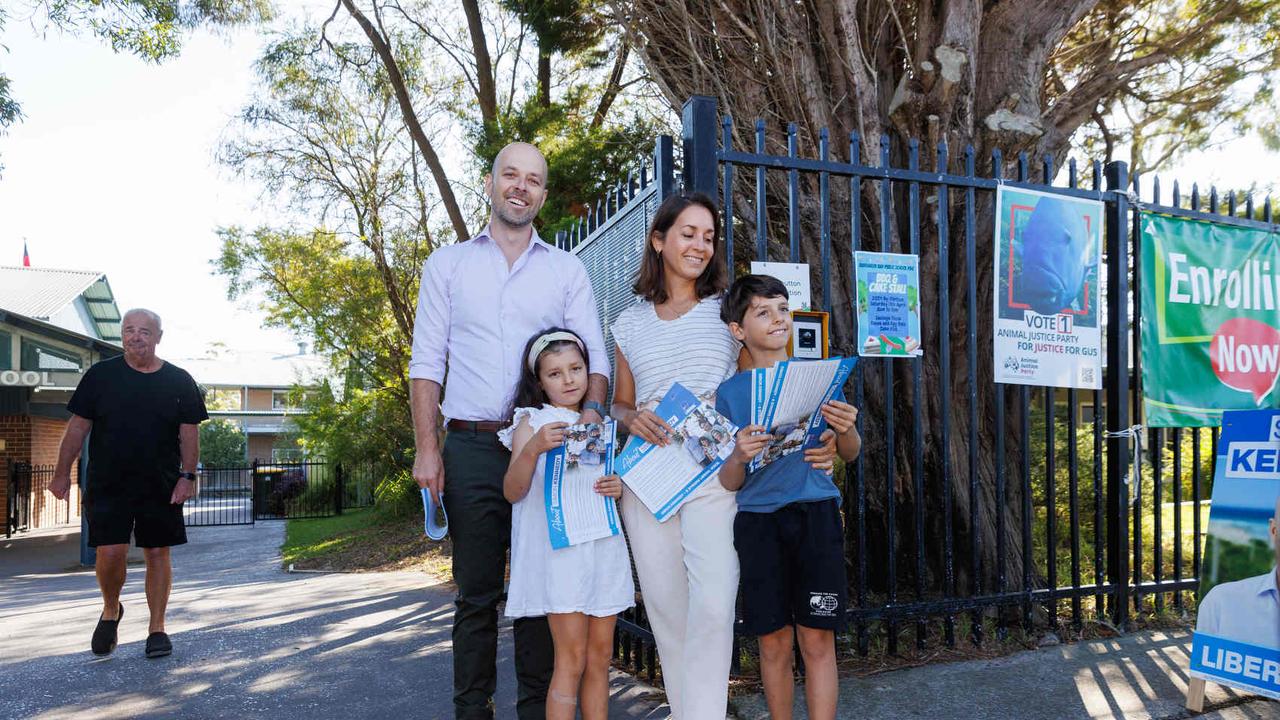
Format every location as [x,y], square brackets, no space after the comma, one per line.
[476,426]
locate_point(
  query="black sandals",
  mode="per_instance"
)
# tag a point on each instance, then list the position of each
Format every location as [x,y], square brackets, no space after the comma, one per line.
[104,635]
[158,645]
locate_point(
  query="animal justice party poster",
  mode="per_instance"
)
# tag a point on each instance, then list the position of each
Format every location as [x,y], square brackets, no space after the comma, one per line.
[1210,320]
[1048,264]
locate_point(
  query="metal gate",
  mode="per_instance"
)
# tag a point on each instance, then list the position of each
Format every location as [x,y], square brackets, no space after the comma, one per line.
[18,499]
[224,497]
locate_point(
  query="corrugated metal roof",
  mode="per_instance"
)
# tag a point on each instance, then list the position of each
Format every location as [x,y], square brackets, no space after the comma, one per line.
[41,292]
[255,369]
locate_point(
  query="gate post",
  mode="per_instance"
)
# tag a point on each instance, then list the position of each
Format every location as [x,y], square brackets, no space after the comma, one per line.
[1117,391]
[10,490]
[338,488]
[88,555]
[699,121]
[664,166]
[253,489]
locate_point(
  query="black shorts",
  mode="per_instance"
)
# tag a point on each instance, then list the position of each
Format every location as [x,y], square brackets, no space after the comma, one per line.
[792,562]
[151,523]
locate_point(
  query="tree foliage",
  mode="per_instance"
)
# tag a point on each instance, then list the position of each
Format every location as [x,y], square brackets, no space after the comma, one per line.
[568,105]
[149,29]
[1182,76]
[222,444]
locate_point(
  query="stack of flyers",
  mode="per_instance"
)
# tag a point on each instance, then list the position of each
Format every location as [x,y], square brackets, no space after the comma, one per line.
[576,513]
[663,478]
[787,399]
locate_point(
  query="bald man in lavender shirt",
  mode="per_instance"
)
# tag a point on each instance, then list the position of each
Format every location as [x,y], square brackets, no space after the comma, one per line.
[479,303]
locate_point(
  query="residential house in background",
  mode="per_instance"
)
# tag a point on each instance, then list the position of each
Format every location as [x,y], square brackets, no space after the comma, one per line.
[254,390]
[54,324]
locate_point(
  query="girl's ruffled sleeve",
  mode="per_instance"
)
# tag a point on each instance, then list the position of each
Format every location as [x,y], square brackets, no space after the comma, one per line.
[506,434]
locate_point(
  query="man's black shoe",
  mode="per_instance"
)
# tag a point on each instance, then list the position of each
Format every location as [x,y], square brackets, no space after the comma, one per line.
[104,635]
[158,645]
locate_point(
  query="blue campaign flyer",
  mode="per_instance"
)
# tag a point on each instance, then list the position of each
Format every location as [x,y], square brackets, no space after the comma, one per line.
[787,399]
[888,302]
[576,513]
[1237,636]
[663,478]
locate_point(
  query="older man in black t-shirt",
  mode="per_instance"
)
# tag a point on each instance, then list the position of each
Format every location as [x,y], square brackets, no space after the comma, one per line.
[144,414]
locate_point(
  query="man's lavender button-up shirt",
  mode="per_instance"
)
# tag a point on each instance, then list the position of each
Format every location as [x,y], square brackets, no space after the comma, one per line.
[477,315]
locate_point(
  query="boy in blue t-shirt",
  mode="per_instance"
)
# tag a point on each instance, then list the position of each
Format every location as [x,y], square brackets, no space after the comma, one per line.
[788,533]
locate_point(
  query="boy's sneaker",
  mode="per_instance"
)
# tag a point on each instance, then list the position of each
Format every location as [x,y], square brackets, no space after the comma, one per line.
[104,635]
[158,645]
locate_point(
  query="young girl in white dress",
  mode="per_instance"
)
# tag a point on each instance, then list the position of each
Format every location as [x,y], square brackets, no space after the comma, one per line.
[580,588]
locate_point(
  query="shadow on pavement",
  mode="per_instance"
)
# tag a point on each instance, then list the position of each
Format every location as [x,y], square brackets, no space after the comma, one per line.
[249,639]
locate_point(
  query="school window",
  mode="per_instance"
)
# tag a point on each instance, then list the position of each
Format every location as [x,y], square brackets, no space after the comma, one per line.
[218,398]
[6,351]
[286,455]
[285,400]
[38,356]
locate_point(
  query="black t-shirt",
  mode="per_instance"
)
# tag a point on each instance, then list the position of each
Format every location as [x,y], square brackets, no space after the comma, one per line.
[133,446]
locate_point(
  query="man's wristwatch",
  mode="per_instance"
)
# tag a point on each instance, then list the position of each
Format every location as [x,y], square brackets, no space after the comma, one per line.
[593,405]
[187,476]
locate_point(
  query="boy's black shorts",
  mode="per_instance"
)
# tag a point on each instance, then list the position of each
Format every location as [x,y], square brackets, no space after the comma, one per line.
[153,523]
[792,562]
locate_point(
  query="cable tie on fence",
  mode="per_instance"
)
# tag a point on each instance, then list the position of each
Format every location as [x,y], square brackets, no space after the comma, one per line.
[1135,432]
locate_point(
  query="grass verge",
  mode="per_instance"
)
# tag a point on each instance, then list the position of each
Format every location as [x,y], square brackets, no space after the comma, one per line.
[364,541]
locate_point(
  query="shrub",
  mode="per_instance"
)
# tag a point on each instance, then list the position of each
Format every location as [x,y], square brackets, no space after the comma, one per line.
[287,486]
[398,495]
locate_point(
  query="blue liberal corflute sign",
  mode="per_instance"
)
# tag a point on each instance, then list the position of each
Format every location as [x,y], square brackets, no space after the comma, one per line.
[1237,638]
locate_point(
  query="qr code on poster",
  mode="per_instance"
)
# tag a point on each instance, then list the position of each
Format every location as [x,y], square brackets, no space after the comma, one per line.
[1087,376]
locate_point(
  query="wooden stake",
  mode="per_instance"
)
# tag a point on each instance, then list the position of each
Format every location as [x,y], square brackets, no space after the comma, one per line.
[1195,695]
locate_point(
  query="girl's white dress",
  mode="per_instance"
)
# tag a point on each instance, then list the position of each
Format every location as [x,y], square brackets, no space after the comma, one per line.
[593,578]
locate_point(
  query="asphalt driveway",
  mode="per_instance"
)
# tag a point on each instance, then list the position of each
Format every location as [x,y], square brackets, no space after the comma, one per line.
[250,640]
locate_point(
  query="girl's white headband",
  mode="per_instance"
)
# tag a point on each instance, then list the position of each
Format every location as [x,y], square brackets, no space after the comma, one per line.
[542,342]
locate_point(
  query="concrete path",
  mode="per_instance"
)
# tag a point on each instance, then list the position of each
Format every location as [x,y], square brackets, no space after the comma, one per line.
[249,639]
[1139,676]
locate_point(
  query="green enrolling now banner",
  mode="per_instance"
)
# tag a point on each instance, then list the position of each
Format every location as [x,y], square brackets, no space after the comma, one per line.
[1210,320]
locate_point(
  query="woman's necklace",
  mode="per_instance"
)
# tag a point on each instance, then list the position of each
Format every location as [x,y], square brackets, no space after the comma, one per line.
[677,314]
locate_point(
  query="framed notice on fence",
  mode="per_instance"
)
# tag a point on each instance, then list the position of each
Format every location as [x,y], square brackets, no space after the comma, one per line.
[1210,320]
[1048,262]
[888,301]
[1237,637]
[794,276]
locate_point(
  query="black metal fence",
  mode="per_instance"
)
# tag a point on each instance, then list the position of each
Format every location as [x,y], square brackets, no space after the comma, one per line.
[28,503]
[238,495]
[279,491]
[1073,540]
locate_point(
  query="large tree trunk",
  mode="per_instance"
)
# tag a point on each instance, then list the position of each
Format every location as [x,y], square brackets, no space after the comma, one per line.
[968,73]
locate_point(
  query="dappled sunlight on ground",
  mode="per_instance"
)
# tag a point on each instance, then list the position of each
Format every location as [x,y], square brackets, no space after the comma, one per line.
[249,639]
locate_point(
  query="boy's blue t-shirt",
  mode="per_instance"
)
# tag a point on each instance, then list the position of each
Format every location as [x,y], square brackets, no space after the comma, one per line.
[782,482]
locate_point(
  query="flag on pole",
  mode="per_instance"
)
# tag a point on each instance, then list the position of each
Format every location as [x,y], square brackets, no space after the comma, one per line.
[26,259]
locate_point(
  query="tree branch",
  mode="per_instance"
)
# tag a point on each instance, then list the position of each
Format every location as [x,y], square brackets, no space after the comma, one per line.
[487,92]
[411,120]
[614,85]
